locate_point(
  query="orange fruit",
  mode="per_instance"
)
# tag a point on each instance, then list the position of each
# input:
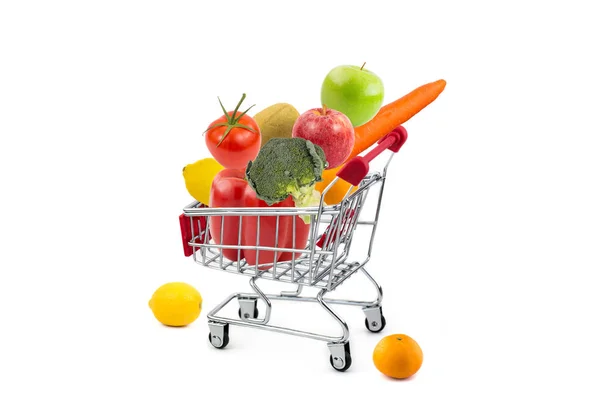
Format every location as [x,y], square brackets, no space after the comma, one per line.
[398,356]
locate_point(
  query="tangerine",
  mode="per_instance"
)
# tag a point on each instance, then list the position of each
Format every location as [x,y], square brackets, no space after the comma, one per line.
[398,356]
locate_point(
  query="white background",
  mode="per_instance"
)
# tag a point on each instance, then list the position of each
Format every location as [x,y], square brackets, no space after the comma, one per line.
[490,229]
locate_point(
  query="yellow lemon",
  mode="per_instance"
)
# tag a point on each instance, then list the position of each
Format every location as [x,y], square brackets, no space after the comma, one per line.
[176,304]
[199,176]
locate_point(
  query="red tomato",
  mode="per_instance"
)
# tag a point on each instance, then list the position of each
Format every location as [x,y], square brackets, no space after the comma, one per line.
[234,138]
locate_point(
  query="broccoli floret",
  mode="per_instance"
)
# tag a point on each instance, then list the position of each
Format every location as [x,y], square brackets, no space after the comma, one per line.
[287,166]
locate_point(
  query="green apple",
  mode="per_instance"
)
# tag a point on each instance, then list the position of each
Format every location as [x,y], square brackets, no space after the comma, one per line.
[353,91]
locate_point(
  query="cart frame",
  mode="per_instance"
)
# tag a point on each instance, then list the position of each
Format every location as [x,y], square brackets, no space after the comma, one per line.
[323,263]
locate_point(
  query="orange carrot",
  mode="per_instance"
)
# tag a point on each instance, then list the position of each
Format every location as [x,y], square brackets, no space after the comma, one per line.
[394,114]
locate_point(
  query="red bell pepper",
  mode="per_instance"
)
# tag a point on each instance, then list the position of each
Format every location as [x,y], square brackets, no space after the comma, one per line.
[302,232]
[266,233]
[230,189]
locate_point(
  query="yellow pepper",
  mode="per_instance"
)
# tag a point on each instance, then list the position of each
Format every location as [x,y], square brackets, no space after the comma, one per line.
[338,191]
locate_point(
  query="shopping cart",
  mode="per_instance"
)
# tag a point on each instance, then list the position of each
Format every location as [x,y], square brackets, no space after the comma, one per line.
[324,263]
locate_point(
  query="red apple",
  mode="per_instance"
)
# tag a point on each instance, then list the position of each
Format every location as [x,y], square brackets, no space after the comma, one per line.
[329,129]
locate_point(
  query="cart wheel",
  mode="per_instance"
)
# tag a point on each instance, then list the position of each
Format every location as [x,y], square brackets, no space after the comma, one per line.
[340,358]
[347,362]
[377,328]
[220,341]
[374,321]
[255,313]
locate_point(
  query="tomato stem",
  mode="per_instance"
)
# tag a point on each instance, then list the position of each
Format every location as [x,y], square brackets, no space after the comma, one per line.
[223,108]
[232,120]
[238,107]
[244,113]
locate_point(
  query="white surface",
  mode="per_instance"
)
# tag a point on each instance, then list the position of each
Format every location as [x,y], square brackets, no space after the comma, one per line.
[489,234]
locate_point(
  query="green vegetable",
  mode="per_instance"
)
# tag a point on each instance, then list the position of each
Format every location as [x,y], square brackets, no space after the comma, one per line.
[287,166]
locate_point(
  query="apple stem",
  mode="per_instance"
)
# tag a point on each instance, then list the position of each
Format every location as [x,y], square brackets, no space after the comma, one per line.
[324,112]
[363,65]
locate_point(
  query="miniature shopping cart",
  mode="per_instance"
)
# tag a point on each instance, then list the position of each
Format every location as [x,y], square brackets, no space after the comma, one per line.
[324,263]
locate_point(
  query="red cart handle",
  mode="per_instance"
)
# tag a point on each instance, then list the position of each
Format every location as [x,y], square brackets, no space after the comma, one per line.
[356,169]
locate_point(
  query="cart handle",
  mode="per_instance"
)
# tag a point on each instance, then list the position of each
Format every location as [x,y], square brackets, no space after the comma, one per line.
[357,168]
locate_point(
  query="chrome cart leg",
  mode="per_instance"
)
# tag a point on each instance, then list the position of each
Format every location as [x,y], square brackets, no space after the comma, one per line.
[340,358]
[345,330]
[374,321]
[219,334]
[264,298]
[377,286]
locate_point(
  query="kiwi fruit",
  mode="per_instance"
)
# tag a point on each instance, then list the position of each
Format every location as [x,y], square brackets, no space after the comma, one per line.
[276,121]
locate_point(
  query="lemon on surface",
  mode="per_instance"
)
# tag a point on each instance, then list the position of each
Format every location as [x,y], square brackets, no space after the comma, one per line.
[176,304]
[199,176]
